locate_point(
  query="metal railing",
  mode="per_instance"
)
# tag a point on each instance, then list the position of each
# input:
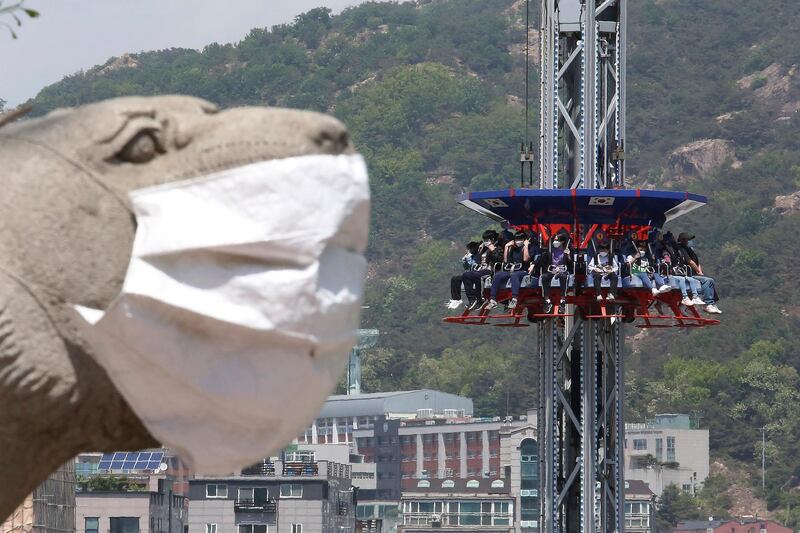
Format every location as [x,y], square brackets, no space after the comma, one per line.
[261,506]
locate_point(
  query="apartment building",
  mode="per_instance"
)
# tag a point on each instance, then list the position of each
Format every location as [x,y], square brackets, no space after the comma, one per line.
[481,505]
[640,505]
[667,450]
[275,497]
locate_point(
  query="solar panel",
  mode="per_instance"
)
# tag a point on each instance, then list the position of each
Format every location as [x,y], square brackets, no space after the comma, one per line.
[131,461]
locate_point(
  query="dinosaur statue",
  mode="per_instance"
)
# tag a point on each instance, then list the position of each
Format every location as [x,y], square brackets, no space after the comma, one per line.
[66,232]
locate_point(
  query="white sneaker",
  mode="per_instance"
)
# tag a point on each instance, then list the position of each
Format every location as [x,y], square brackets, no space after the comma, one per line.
[453,304]
[512,304]
[687,301]
[491,305]
[654,291]
[713,309]
[698,301]
[664,288]
[599,297]
[610,297]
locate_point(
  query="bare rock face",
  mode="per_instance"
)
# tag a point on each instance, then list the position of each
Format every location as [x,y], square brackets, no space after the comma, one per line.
[771,83]
[698,158]
[66,232]
[788,204]
[118,63]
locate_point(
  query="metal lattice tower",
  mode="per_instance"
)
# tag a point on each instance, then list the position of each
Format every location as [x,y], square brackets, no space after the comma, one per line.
[581,428]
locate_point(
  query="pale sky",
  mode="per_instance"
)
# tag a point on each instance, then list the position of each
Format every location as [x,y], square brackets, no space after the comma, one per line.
[73,35]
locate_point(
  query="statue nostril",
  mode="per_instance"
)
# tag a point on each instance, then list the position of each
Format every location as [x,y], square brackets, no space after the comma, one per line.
[333,142]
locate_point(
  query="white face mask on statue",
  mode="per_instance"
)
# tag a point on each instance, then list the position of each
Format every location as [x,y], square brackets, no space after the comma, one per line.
[556,244]
[240,305]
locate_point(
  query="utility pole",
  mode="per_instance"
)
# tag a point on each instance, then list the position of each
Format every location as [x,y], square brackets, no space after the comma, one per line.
[763,458]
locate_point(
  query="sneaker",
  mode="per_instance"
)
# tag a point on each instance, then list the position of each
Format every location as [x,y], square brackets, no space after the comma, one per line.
[599,297]
[664,288]
[513,303]
[491,305]
[688,302]
[472,304]
[548,306]
[453,304]
[713,309]
[611,297]
[654,291]
[698,301]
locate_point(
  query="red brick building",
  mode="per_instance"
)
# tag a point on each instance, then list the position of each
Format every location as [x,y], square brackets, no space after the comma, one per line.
[742,525]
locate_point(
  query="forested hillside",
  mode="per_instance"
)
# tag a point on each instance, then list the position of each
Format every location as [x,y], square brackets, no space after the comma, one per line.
[431,93]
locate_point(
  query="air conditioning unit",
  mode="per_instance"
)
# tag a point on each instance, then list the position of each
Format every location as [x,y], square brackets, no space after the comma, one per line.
[454,413]
[424,413]
[529,492]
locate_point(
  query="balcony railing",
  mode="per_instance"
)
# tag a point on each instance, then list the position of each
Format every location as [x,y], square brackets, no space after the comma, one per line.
[458,519]
[252,506]
[264,468]
[300,469]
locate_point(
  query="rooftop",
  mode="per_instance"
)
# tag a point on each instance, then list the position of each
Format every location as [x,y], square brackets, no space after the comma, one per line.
[395,402]
[636,487]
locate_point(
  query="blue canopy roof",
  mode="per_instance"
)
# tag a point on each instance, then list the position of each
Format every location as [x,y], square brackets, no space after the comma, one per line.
[584,206]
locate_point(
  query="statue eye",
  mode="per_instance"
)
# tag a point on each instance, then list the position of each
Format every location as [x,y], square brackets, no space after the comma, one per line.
[142,148]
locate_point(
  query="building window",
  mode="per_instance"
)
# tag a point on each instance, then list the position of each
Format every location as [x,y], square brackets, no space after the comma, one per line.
[216,490]
[124,524]
[529,493]
[211,528]
[639,444]
[659,449]
[671,449]
[291,490]
[687,487]
[297,528]
[423,484]
[91,524]
[473,484]
[253,528]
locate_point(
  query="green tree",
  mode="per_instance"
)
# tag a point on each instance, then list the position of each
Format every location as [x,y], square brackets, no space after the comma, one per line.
[673,506]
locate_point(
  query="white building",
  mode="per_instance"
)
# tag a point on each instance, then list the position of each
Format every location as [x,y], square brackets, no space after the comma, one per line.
[667,451]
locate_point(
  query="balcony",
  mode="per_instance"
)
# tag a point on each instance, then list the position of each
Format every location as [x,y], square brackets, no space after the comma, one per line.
[253,506]
[300,469]
[499,520]
[264,468]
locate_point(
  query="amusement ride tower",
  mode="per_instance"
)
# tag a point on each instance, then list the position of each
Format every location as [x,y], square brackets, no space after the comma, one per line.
[582,193]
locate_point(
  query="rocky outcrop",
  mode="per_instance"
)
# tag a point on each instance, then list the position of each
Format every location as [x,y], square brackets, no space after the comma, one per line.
[770,83]
[119,63]
[696,159]
[788,204]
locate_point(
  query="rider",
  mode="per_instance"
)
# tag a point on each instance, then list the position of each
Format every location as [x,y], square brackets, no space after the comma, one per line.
[516,262]
[641,265]
[555,263]
[469,262]
[707,284]
[671,264]
[604,266]
[489,253]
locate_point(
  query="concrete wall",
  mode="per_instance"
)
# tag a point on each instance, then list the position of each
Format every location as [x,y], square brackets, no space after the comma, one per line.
[112,504]
[306,512]
[220,512]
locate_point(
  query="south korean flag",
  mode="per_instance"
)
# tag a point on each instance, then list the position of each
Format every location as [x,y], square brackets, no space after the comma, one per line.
[601,200]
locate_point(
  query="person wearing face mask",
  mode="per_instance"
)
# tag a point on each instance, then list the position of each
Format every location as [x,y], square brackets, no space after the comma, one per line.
[470,262]
[489,253]
[516,262]
[604,267]
[671,264]
[642,266]
[707,285]
[556,264]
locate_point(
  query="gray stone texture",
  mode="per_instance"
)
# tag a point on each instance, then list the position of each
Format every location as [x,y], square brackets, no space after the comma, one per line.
[66,231]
